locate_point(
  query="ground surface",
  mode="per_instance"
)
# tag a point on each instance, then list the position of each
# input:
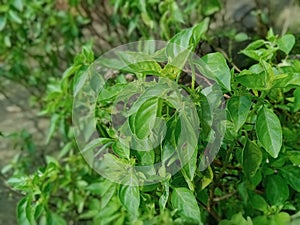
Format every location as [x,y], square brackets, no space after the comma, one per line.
[15,115]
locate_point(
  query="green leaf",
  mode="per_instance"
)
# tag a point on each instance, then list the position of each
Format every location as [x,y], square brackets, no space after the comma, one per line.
[260,54]
[207,178]
[19,4]
[53,125]
[144,119]
[296,106]
[258,202]
[252,158]
[294,157]
[241,37]
[188,171]
[237,219]
[260,220]
[286,43]
[175,66]
[14,17]
[185,202]
[121,150]
[186,39]
[139,62]
[2,22]
[187,144]
[95,143]
[210,7]
[164,197]
[108,194]
[147,20]
[289,80]
[269,73]
[66,149]
[55,219]
[268,131]
[214,66]
[239,107]
[291,175]
[7,41]
[79,79]
[281,218]
[254,78]
[255,45]
[100,188]
[21,212]
[198,31]
[277,191]
[130,198]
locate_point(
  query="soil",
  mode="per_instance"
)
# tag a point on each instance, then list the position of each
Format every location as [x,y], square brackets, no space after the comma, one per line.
[16,116]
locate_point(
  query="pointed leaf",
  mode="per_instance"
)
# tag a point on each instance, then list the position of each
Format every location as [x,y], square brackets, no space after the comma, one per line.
[13,15]
[252,157]
[277,191]
[239,107]
[2,22]
[286,43]
[139,62]
[291,175]
[214,66]
[144,119]
[269,132]
[186,39]
[185,202]
[130,199]
[210,7]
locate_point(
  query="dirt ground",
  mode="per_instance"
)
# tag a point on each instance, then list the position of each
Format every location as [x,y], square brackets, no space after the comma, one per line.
[15,115]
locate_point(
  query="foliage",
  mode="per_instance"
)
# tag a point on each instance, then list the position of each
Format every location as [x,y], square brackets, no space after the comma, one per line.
[252,181]
[36,38]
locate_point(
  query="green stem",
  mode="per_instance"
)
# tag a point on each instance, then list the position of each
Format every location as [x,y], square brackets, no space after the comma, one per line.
[193,76]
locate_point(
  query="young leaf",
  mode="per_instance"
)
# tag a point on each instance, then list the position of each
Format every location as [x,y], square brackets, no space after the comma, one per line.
[252,157]
[186,39]
[239,107]
[255,45]
[210,7]
[286,43]
[207,178]
[176,64]
[214,66]
[164,197]
[268,131]
[185,202]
